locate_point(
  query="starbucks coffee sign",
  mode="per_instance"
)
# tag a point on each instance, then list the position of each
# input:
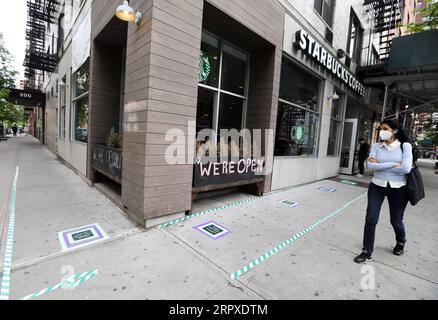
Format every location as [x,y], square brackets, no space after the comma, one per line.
[313,49]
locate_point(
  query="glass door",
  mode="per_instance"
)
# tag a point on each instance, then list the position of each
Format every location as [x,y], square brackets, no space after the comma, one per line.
[348,146]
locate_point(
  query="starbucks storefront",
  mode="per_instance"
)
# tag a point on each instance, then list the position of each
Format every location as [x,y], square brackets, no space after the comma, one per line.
[314,89]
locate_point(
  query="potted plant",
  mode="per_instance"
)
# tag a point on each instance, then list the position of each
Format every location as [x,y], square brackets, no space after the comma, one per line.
[114,139]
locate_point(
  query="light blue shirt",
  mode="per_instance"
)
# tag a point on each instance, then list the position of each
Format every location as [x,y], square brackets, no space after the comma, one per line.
[387,156]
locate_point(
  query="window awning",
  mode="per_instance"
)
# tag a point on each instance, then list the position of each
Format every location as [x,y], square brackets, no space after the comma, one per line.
[416,52]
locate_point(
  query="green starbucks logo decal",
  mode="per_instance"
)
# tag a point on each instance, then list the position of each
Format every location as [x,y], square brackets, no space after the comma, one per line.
[204,67]
[299,133]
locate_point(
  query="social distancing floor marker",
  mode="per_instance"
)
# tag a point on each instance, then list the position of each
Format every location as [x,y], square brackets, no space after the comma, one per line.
[81,237]
[352,183]
[289,203]
[7,267]
[69,283]
[212,229]
[270,253]
[326,189]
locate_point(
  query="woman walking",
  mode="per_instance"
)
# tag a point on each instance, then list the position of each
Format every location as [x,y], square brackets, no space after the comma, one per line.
[391,161]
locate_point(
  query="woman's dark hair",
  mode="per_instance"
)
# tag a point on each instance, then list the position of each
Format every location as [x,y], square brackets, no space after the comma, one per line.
[395,125]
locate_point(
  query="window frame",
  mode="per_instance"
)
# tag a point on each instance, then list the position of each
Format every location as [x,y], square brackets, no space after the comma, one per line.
[321,15]
[343,104]
[74,100]
[318,112]
[62,98]
[61,33]
[375,58]
[218,91]
[356,55]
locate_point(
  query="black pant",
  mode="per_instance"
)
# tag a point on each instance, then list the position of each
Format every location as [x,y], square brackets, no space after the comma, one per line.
[362,159]
[398,200]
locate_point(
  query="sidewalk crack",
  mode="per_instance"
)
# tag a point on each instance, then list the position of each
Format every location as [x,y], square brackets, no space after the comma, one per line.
[215,264]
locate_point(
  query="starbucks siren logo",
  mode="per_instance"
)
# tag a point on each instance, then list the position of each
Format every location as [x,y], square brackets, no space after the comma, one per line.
[204,67]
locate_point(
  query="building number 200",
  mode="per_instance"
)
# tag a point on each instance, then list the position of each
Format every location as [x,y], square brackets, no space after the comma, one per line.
[25,95]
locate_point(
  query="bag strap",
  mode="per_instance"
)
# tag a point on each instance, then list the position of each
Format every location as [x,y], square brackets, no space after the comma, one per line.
[413,160]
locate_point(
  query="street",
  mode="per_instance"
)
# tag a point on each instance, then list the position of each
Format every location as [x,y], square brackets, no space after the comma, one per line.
[272,250]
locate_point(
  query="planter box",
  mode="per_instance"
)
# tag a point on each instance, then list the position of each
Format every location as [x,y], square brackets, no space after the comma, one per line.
[108,161]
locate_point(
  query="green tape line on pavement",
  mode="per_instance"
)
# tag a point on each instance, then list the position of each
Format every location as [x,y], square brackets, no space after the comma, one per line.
[270,253]
[235,204]
[70,282]
[7,265]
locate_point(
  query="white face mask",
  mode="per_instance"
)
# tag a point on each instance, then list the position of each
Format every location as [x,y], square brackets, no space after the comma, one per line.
[386,135]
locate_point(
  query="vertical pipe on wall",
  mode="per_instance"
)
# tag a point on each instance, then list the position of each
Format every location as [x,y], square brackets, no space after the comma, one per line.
[385,100]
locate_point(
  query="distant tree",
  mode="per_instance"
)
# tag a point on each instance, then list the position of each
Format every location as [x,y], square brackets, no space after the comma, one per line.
[7,74]
[9,113]
[431,129]
[432,132]
[429,14]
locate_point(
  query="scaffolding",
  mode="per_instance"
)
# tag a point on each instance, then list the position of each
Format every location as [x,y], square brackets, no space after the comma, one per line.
[387,16]
[38,59]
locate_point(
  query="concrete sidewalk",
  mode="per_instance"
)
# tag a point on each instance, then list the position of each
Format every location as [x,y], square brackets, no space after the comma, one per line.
[179,262]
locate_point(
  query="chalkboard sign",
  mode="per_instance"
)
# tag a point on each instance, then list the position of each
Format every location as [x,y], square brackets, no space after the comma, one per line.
[108,161]
[222,172]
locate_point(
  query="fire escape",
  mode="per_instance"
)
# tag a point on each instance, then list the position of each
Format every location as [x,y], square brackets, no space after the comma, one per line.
[38,59]
[387,15]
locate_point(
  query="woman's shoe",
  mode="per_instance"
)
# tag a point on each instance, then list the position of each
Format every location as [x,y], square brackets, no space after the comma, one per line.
[399,249]
[363,257]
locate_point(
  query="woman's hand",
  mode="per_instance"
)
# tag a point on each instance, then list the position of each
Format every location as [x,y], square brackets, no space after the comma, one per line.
[372,160]
[398,164]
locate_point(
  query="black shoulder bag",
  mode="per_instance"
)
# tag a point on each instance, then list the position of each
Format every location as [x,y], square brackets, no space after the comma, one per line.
[414,184]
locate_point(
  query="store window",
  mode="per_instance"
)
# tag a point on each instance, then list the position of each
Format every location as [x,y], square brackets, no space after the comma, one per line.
[222,91]
[325,9]
[206,102]
[62,107]
[298,113]
[335,126]
[375,56]
[60,32]
[298,86]
[80,103]
[234,68]
[354,45]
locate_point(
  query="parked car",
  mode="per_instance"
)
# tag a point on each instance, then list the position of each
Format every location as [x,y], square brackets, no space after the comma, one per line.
[81,134]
